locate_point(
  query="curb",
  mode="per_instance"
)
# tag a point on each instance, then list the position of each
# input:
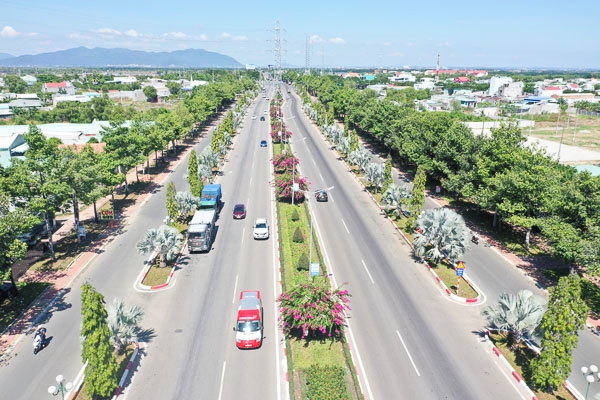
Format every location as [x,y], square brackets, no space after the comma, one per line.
[149,265]
[127,370]
[469,301]
[514,373]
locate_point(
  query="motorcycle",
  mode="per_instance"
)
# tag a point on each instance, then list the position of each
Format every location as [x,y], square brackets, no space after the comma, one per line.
[38,343]
[475,239]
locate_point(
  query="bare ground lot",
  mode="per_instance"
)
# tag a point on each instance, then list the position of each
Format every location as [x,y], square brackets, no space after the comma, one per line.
[581,131]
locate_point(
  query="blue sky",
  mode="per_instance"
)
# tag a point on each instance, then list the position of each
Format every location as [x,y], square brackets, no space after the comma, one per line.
[517,34]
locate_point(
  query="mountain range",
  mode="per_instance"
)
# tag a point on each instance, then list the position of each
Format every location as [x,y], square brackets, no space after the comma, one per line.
[117,57]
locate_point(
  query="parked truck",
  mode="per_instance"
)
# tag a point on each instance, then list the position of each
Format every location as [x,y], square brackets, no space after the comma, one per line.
[249,327]
[201,230]
[211,197]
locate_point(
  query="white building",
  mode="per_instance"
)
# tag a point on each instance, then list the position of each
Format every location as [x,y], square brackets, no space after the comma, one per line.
[125,79]
[496,82]
[402,77]
[425,83]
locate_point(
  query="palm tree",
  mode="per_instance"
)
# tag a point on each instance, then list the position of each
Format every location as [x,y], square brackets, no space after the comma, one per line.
[442,233]
[374,174]
[205,173]
[165,240]
[360,157]
[519,315]
[186,203]
[123,324]
[394,197]
[209,157]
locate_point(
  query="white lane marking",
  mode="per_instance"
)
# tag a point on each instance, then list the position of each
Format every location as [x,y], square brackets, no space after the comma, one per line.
[368,273]
[354,353]
[408,353]
[234,290]
[313,161]
[243,235]
[345,226]
[321,176]
[222,380]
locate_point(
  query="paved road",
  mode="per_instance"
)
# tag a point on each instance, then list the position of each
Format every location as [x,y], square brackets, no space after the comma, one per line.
[409,341]
[191,348]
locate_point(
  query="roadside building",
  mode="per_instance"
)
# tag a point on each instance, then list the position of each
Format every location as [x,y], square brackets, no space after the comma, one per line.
[10,143]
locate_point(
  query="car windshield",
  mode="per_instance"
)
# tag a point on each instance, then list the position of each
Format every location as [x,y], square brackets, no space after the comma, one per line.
[261,226]
[248,326]
[238,208]
[197,235]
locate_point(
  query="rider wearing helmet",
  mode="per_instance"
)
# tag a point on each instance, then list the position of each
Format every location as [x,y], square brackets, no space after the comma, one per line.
[41,332]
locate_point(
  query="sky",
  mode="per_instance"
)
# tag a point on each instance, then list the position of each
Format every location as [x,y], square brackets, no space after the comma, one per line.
[352,33]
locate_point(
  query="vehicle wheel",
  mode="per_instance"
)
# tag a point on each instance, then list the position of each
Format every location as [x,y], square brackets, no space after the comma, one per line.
[36,349]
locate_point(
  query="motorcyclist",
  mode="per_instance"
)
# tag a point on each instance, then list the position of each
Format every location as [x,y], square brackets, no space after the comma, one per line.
[475,237]
[41,333]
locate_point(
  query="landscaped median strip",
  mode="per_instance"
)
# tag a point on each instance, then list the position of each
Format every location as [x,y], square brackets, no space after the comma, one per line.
[149,264]
[514,373]
[127,370]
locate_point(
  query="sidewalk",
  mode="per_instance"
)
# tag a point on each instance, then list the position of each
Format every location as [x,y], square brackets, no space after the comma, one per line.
[60,281]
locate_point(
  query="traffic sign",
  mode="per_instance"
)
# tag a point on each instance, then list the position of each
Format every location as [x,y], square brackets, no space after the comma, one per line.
[460,265]
[460,271]
[314,269]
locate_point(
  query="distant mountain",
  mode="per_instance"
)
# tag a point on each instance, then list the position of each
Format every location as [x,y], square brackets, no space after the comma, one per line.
[5,55]
[117,57]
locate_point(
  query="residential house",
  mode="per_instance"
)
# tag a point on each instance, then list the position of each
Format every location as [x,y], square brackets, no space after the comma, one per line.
[549,91]
[462,79]
[64,87]
[80,98]
[402,77]
[496,82]
[124,79]
[574,87]
[425,83]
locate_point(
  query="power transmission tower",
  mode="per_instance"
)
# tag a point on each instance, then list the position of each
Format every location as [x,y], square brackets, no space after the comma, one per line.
[307,67]
[277,51]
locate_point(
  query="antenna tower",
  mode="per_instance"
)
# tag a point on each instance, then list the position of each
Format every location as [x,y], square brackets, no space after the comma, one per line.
[437,68]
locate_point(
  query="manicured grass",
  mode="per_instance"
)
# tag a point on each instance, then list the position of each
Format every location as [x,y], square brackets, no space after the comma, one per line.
[157,275]
[447,274]
[307,353]
[519,360]
[11,308]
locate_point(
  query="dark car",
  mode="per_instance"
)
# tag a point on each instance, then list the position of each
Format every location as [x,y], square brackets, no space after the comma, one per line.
[239,211]
[321,195]
[263,143]
[262,118]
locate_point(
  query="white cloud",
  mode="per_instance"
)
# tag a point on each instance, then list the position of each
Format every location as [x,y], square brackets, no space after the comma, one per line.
[175,35]
[316,39]
[107,31]
[227,36]
[9,31]
[77,35]
[203,37]
[337,40]
[132,33]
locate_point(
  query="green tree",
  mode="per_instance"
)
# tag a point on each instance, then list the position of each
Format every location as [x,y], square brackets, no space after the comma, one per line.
[165,241]
[12,224]
[394,198]
[101,371]
[15,84]
[196,185]
[186,204]
[387,174]
[171,203]
[417,200]
[519,315]
[565,316]
[174,87]
[151,93]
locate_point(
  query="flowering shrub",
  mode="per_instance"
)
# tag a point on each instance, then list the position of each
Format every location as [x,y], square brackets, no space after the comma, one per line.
[326,382]
[284,162]
[314,308]
[283,187]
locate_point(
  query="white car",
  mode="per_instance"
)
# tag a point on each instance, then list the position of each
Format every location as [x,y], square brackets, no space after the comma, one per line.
[261,228]
[254,117]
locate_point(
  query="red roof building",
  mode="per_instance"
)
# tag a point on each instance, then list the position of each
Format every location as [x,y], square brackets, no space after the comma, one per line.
[462,79]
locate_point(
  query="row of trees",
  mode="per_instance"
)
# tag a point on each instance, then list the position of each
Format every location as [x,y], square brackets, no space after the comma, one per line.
[52,178]
[519,184]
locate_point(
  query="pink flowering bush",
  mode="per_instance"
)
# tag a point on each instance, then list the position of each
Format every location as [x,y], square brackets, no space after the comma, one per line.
[283,187]
[314,309]
[284,162]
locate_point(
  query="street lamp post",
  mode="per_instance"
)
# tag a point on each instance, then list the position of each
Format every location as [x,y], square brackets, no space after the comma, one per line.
[591,375]
[63,388]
